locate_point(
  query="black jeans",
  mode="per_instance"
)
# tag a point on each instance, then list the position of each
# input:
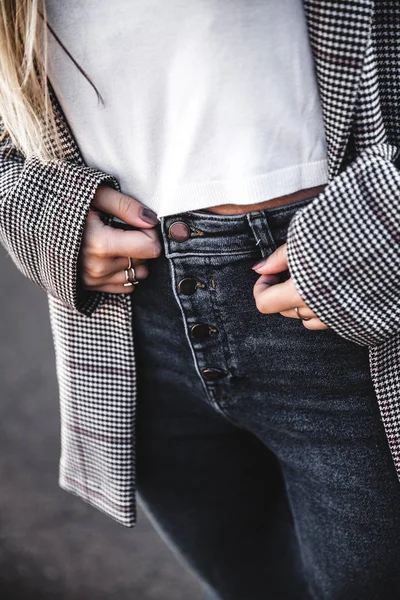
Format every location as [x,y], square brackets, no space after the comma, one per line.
[261,454]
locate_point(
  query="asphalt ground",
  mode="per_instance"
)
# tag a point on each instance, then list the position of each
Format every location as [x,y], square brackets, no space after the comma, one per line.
[53,545]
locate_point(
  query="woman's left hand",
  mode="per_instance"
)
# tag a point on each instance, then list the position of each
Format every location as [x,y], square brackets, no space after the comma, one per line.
[273,297]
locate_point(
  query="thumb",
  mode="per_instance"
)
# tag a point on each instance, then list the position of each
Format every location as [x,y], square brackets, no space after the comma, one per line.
[274,263]
[125,208]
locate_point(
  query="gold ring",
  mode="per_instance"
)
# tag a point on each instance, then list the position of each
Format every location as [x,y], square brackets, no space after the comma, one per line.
[128,282]
[130,277]
[299,315]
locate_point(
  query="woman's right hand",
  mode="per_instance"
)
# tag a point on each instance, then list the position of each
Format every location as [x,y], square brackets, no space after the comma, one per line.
[105,250]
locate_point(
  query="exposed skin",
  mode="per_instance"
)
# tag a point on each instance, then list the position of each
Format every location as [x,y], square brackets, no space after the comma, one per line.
[105,250]
[274,297]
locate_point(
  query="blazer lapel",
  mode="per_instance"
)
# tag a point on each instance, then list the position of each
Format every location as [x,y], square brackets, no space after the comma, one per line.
[339,33]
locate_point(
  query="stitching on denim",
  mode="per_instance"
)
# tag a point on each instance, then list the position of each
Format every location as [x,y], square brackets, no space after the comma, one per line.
[210,216]
[206,253]
[261,231]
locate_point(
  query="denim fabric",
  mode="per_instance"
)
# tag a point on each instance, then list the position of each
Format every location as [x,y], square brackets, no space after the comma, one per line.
[275,481]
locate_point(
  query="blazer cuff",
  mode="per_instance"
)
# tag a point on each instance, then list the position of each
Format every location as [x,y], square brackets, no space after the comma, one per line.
[43,220]
[344,249]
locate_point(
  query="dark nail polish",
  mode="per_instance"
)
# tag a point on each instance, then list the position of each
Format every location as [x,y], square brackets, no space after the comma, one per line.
[259,264]
[149,216]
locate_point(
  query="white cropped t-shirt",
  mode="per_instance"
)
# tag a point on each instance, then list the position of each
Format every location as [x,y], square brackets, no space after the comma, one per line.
[207,102]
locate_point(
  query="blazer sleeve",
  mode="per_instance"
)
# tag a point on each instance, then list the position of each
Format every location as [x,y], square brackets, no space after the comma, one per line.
[344,249]
[43,209]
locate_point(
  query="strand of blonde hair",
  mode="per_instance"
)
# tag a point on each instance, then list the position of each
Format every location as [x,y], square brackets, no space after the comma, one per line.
[25,104]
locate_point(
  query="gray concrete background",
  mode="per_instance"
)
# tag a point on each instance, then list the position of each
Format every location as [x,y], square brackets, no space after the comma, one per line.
[53,545]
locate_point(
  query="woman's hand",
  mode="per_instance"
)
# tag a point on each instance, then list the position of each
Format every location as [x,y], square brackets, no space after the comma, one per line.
[273,297]
[105,250]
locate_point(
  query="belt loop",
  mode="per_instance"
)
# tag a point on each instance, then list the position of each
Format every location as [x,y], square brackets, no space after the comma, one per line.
[258,223]
[164,235]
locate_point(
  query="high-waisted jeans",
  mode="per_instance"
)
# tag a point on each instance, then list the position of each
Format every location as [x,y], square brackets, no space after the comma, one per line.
[261,454]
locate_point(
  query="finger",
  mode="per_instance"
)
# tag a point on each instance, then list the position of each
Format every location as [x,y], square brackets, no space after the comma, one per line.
[106,242]
[314,324]
[101,268]
[137,244]
[274,263]
[140,272]
[124,207]
[276,298]
[97,268]
[304,311]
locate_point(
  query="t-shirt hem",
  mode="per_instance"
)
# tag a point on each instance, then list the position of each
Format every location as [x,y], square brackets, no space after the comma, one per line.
[243,191]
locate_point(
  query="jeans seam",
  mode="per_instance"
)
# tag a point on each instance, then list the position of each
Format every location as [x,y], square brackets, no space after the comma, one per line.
[172,255]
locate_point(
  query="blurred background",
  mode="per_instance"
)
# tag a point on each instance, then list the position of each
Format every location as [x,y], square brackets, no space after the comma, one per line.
[53,545]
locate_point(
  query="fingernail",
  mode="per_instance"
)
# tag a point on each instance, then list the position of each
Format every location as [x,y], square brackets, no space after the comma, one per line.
[259,264]
[149,216]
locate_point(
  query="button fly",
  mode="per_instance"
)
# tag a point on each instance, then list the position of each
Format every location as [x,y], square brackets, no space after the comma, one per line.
[202,331]
[179,231]
[212,373]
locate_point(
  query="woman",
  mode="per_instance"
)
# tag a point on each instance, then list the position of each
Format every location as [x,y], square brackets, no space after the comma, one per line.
[261,453]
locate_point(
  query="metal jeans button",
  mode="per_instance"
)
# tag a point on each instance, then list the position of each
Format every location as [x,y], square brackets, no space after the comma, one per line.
[179,231]
[187,286]
[212,373]
[202,331]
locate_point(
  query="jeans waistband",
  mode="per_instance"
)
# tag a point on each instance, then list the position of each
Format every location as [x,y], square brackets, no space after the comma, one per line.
[201,232]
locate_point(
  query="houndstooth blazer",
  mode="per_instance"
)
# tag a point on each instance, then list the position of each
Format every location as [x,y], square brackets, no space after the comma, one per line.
[343,251]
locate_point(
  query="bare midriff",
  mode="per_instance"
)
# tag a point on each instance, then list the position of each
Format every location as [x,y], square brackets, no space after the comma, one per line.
[238,209]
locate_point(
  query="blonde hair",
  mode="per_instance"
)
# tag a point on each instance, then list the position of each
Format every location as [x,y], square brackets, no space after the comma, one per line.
[26,108]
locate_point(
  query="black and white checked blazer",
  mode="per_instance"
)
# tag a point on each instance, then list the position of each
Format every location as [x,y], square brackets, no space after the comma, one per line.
[343,250]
